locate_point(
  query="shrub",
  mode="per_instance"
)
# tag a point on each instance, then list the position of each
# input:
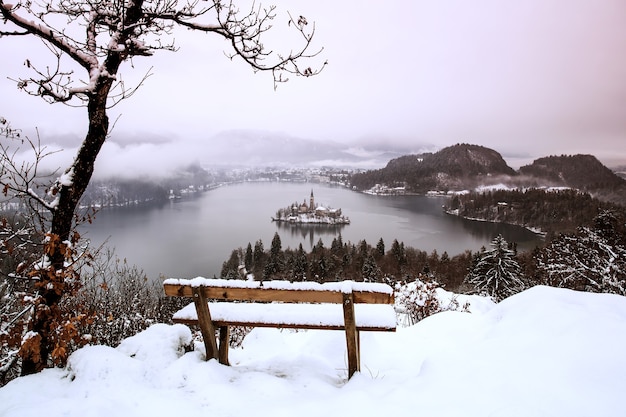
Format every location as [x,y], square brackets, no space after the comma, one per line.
[417,300]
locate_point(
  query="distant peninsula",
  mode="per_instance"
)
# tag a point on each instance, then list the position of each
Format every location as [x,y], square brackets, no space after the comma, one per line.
[310,213]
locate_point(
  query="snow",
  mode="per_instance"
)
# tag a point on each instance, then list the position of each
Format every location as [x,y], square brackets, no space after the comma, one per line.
[67,178]
[493,187]
[327,315]
[543,352]
[342,286]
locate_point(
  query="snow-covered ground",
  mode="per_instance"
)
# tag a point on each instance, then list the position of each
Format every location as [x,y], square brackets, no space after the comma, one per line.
[544,352]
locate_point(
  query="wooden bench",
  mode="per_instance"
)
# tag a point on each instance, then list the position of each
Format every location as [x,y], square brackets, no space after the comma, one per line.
[349,306]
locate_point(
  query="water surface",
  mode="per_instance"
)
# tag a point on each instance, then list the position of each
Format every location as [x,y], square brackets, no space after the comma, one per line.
[193,237]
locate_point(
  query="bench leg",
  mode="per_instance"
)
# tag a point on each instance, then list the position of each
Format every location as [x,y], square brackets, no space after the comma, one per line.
[206,324]
[352,335]
[224,342]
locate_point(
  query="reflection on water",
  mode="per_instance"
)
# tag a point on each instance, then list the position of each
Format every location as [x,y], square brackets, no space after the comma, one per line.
[309,231]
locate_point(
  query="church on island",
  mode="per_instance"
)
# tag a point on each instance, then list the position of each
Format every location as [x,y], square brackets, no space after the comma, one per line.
[310,213]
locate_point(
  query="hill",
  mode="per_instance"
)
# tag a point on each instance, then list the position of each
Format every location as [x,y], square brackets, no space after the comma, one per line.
[465,167]
[454,167]
[543,352]
[583,172]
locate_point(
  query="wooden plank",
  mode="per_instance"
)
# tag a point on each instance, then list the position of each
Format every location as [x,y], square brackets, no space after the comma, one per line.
[220,323]
[282,295]
[205,323]
[352,336]
[256,294]
[224,344]
[364,297]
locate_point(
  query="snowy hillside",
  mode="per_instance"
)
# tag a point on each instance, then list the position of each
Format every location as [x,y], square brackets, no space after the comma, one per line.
[543,352]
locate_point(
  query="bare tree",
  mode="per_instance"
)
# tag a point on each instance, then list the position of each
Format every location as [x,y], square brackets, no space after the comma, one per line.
[99,37]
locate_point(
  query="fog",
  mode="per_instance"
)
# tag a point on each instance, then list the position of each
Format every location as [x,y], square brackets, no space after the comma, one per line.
[527,78]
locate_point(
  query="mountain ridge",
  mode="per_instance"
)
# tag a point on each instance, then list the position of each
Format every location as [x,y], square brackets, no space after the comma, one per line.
[465,166]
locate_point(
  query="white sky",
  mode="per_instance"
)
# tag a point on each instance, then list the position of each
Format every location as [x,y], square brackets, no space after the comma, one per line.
[527,78]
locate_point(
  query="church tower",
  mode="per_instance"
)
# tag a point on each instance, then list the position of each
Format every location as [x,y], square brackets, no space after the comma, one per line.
[312,206]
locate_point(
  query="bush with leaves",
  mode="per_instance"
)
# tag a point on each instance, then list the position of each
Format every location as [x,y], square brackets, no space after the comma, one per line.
[111,301]
[121,300]
[417,300]
[26,305]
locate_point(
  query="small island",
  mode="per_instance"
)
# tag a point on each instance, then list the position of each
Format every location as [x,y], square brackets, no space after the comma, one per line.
[310,213]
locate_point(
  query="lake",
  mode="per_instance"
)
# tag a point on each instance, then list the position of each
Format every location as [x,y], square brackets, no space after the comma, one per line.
[193,237]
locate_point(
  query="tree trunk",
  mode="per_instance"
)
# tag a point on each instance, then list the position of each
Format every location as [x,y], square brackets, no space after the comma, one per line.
[52,284]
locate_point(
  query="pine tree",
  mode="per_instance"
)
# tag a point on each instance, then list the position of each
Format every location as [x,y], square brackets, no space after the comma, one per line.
[336,247]
[230,268]
[248,259]
[370,271]
[591,260]
[258,262]
[496,272]
[275,263]
[300,265]
[380,248]
[399,255]
[319,262]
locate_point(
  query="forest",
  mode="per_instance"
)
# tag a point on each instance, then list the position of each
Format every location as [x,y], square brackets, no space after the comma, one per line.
[591,257]
[550,210]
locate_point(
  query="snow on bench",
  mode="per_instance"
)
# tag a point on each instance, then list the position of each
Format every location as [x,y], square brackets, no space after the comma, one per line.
[282,284]
[347,305]
[369,317]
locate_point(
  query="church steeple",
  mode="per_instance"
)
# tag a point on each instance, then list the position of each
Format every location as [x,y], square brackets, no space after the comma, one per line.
[312,206]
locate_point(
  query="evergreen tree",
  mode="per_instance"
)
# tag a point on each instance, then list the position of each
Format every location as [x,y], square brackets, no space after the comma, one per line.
[364,248]
[496,272]
[275,263]
[360,254]
[248,259]
[587,261]
[300,265]
[611,225]
[258,263]
[380,248]
[399,255]
[442,269]
[230,268]
[336,247]
[370,271]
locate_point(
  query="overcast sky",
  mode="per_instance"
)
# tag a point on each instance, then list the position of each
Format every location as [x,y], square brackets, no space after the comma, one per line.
[528,78]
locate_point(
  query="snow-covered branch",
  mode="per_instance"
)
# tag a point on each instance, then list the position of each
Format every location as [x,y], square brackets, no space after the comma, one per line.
[245,32]
[43,31]
[589,261]
[99,36]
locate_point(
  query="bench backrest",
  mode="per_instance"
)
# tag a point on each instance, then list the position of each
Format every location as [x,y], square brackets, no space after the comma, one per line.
[283,291]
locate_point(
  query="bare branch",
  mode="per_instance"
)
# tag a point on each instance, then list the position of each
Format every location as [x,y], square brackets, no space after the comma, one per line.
[21,179]
[45,32]
[125,92]
[99,36]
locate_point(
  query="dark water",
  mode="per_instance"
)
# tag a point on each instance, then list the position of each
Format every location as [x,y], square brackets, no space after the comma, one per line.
[193,237]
